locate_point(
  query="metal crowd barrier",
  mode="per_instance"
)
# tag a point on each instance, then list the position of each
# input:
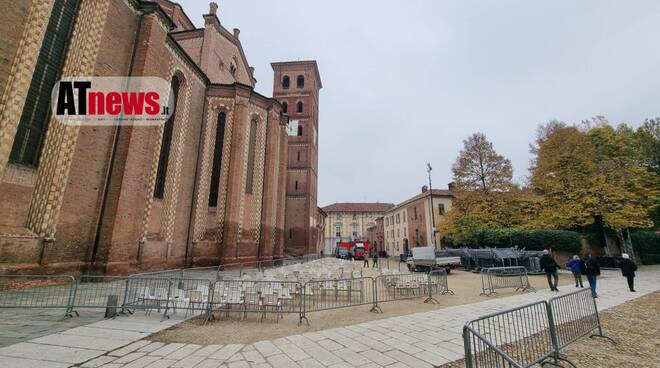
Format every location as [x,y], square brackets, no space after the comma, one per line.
[518,337]
[531,334]
[389,288]
[262,297]
[575,315]
[504,278]
[438,284]
[36,291]
[318,295]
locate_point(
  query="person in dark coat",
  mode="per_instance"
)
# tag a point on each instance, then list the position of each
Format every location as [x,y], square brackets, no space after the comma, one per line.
[374,260]
[592,271]
[576,265]
[550,266]
[628,268]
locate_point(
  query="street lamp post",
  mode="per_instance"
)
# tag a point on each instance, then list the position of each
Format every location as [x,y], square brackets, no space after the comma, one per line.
[428,170]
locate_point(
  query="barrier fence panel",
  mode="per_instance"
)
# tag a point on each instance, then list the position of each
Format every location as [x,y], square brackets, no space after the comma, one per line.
[29,291]
[504,278]
[327,294]
[575,315]
[518,337]
[147,294]
[93,292]
[258,296]
[400,286]
[438,284]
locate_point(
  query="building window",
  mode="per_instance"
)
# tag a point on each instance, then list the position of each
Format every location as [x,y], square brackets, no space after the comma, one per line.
[405,233]
[300,81]
[300,130]
[387,221]
[251,154]
[298,155]
[285,82]
[290,233]
[398,234]
[415,208]
[166,141]
[285,107]
[299,106]
[34,118]
[355,230]
[398,218]
[441,208]
[404,217]
[354,215]
[217,160]
[338,231]
[296,184]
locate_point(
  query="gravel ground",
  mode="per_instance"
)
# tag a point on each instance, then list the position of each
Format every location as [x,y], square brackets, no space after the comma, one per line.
[634,325]
[466,286]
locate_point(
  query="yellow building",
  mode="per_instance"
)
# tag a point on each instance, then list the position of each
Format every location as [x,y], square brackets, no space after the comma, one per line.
[350,221]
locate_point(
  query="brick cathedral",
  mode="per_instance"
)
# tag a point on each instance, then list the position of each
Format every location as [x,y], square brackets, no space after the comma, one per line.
[230,177]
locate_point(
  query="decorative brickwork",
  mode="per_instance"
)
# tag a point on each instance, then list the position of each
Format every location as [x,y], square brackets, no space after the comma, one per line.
[61,139]
[257,199]
[20,76]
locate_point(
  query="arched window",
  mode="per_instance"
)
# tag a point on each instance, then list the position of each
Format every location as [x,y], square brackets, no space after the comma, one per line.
[34,118]
[251,153]
[298,155]
[300,81]
[285,107]
[300,130]
[285,82]
[166,141]
[299,106]
[217,160]
[296,184]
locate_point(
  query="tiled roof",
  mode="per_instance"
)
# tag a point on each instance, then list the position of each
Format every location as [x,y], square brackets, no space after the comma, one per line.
[436,193]
[358,207]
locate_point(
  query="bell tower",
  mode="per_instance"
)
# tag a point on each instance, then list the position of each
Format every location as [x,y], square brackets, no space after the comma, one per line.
[296,87]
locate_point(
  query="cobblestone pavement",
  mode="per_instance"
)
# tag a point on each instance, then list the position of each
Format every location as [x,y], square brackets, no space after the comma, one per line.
[416,340]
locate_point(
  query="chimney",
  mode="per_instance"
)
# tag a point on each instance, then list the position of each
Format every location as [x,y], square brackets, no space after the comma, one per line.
[451,186]
[425,189]
[237,32]
[213,8]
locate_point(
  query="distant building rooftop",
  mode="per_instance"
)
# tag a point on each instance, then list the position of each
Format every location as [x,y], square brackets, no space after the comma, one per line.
[358,207]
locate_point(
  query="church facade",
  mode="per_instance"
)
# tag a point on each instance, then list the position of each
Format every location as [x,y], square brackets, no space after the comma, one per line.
[210,185]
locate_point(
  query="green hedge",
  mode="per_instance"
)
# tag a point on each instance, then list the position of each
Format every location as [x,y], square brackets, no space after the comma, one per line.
[560,240]
[647,244]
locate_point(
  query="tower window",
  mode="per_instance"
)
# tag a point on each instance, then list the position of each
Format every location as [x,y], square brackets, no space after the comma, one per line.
[34,118]
[285,107]
[298,155]
[296,184]
[166,141]
[285,82]
[251,153]
[300,81]
[217,160]
[300,130]
[299,106]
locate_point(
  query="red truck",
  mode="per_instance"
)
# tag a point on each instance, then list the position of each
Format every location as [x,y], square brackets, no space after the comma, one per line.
[360,249]
[343,250]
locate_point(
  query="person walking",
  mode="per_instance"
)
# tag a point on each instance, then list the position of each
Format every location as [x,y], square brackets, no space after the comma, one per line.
[576,265]
[550,266]
[366,261]
[374,260]
[592,271]
[628,268]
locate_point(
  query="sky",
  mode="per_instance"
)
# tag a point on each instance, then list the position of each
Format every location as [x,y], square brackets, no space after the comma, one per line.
[405,82]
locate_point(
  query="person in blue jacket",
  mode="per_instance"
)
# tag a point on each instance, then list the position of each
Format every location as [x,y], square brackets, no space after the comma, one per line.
[577,267]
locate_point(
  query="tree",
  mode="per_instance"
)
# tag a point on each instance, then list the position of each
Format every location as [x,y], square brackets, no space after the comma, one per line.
[591,174]
[479,167]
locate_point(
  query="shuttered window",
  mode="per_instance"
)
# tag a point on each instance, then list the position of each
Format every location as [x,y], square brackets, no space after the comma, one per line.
[33,123]
[217,160]
[164,157]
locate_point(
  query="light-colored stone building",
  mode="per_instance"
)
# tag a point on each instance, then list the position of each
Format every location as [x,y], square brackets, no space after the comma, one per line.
[409,224]
[350,221]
